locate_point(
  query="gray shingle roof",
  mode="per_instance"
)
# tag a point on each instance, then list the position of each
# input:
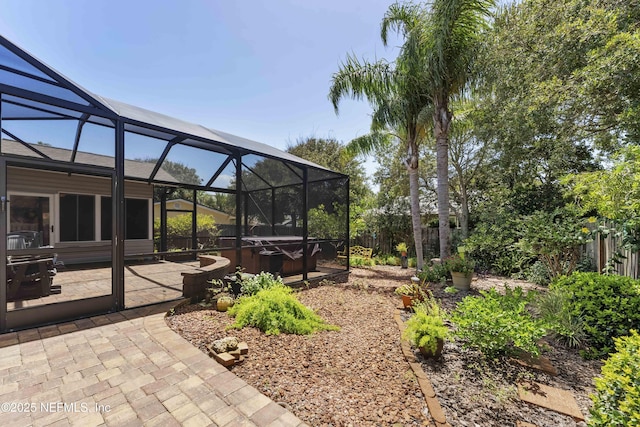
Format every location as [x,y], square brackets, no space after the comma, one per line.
[132,168]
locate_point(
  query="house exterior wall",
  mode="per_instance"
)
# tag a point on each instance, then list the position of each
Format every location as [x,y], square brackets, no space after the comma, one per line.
[220,217]
[33,181]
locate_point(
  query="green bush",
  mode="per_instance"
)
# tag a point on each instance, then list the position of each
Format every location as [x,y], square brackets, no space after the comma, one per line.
[387,259]
[434,273]
[538,273]
[555,239]
[275,310]
[253,284]
[608,306]
[491,243]
[554,308]
[426,326]
[358,261]
[617,398]
[180,226]
[498,324]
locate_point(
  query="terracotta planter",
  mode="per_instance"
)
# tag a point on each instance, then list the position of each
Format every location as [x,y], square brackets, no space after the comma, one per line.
[407,301]
[461,281]
[426,352]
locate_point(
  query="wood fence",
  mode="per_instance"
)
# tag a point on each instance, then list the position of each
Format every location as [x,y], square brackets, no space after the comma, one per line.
[602,249]
[383,243]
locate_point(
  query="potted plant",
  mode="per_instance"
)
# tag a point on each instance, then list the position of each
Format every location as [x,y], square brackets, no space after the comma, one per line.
[410,293]
[402,248]
[461,270]
[426,329]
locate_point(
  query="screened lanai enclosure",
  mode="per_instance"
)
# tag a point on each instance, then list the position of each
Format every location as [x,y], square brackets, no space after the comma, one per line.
[106,206]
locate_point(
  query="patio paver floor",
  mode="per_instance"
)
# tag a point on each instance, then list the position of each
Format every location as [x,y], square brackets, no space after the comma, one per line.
[123,368]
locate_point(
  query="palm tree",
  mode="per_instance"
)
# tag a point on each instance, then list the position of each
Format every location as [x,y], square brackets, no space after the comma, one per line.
[396,91]
[451,42]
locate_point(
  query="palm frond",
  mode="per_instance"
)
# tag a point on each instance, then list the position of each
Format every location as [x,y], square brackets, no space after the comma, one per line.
[402,18]
[359,80]
[455,30]
[367,144]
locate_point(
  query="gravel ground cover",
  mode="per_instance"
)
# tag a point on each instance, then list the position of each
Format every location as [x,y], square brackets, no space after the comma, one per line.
[358,376]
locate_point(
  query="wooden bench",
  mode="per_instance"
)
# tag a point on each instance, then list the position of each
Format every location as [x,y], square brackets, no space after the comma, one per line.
[357,251]
[195,282]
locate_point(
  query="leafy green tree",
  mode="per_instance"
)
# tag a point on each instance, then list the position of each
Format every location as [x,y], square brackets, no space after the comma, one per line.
[330,153]
[330,222]
[555,239]
[182,173]
[558,80]
[468,155]
[327,225]
[613,194]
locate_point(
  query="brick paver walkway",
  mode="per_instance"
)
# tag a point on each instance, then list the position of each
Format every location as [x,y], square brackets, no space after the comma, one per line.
[120,369]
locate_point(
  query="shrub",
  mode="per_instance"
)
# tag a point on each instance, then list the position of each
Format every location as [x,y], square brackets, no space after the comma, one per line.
[554,308]
[587,263]
[498,324]
[491,243]
[253,284]
[275,310]
[434,274]
[555,239]
[617,398]
[608,305]
[458,264]
[538,273]
[180,226]
[426,326]
[358,261]
[387,259]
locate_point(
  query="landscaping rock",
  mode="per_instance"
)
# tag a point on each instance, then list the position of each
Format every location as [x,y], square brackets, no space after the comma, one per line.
[225,359]
[225,345]
[244,348]
[550,397]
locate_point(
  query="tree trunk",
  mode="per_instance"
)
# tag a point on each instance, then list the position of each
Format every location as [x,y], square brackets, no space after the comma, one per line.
[414,195]
[441,121]
[464,210]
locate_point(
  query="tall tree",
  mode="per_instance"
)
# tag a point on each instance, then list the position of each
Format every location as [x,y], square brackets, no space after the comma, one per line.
[327,216]
[332,154]
[561,79]
[396,93]
[452,38]
[468,156]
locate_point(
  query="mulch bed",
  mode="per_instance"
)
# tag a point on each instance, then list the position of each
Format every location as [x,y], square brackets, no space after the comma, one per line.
[358,375]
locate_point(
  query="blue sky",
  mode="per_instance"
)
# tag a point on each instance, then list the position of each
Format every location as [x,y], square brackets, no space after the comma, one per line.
[257,69]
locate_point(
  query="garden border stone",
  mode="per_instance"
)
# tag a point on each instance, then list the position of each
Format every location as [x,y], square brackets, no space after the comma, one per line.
[435,409]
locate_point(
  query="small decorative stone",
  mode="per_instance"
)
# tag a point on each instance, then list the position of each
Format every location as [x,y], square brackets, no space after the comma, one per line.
[243,347]
[225,344]
[225,359]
